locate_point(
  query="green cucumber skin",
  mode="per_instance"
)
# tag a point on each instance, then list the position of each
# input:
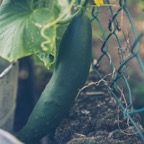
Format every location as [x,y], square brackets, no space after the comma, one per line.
[72,68]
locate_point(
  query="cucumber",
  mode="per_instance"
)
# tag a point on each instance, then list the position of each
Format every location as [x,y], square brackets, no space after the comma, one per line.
[70,74]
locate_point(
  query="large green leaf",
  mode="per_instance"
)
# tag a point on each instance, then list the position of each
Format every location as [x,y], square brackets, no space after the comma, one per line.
[20,31]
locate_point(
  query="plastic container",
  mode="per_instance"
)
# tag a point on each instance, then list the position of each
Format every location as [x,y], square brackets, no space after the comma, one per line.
[8,93]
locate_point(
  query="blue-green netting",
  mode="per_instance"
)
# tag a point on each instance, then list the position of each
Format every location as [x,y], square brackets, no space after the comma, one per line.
[119,73]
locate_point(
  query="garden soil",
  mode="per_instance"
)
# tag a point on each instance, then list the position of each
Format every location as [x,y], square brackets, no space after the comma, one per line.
[96,118]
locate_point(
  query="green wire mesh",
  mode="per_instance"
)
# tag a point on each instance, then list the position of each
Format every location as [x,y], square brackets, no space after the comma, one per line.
[120,72]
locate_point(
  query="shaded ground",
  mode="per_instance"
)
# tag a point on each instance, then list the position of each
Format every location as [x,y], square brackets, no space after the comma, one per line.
[94,120]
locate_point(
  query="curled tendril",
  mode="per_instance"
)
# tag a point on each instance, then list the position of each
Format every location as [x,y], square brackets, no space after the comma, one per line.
[47,26]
